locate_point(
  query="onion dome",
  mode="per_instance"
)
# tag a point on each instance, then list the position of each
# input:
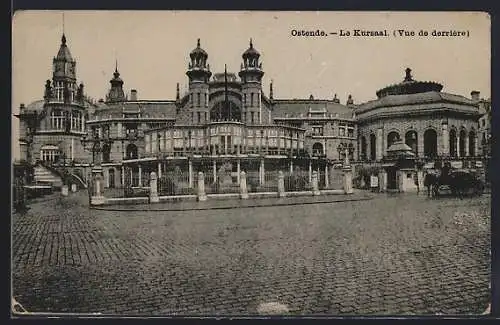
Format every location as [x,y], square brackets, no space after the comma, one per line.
[409,86]
[64,53]
[251,51]
[198,51]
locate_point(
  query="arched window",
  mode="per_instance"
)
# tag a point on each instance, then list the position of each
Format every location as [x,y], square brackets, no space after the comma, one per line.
[111,176]
[363,148]
[463,135]
[472,143]
[392,137]
[131,151]
[221,112]
[373,147]
[106,150]
[430,143]
[411,138]
[317,149]
[453,143]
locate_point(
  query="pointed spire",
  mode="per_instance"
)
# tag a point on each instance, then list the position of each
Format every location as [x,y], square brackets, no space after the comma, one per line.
[63,39]
[251,43]
[177,93]
[116,65]
[226,100]
[271,90]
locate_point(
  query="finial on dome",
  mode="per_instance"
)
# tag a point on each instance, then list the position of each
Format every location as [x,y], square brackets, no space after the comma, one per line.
[198,43]
[408,76]
[251,43]
[271,90]
[63,39]
[178,95]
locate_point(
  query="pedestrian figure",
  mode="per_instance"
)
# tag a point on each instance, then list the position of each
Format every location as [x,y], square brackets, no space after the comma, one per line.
[373,183]
[416,182]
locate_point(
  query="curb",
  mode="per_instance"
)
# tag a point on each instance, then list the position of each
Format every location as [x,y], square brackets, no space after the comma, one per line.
[276,204]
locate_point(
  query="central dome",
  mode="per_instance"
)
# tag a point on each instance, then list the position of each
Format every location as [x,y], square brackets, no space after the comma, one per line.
[409,86]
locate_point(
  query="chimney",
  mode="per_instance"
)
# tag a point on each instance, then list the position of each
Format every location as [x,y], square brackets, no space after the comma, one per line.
[475,95]
[133,95]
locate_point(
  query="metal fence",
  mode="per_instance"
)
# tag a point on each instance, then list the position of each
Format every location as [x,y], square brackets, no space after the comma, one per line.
[336,179]
[176,183]
[297,181]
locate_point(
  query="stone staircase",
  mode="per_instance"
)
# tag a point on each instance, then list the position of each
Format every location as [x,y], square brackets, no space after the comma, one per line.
[43,176]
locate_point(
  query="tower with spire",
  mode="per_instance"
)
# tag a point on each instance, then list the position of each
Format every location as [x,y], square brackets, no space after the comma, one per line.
[116,93]
[63,86]
[199,74]
[251,85]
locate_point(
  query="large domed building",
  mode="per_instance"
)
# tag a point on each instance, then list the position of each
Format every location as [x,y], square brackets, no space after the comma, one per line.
[225,121]
[435,124]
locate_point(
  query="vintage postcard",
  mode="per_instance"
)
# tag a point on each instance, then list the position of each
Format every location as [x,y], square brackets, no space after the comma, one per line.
[231,163]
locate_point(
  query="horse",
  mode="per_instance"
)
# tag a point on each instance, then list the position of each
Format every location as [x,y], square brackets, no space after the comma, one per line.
[430,181]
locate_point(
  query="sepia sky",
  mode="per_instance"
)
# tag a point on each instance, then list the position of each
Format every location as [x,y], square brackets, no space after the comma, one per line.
[152,49]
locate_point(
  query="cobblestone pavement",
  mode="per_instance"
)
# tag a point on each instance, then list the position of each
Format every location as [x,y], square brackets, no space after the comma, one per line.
[395,254]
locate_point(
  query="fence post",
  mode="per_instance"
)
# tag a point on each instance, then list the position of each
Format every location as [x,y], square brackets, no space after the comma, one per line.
[97,197]
[348,180]
[281,184]
[315,183]
[382,180]
[243,185]
[153,192]
[64,190]
[202,196]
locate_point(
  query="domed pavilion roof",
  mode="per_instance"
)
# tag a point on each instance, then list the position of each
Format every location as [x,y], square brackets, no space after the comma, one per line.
[409,86]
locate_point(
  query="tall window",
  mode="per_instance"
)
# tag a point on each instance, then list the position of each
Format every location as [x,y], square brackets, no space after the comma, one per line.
[363,148]
[317,130]
[251,99]
[472,143]
[57,120]
[373,147]
[350,131]
[252,115]
[430,143]
[58,90]
[391,138]
[199,117]
[199,100]
[49,153]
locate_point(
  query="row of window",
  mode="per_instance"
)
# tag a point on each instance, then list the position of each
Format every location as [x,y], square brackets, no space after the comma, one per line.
[343,131]
[64,120]
[197,98]
[59,90]
[160,144]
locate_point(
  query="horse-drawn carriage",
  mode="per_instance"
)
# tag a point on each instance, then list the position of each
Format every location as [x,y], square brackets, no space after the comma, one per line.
[459,182]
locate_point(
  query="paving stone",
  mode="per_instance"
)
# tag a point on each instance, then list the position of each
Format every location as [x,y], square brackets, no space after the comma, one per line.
[341,258]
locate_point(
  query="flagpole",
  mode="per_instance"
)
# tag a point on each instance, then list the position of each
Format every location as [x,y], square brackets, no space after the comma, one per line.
[226,102]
